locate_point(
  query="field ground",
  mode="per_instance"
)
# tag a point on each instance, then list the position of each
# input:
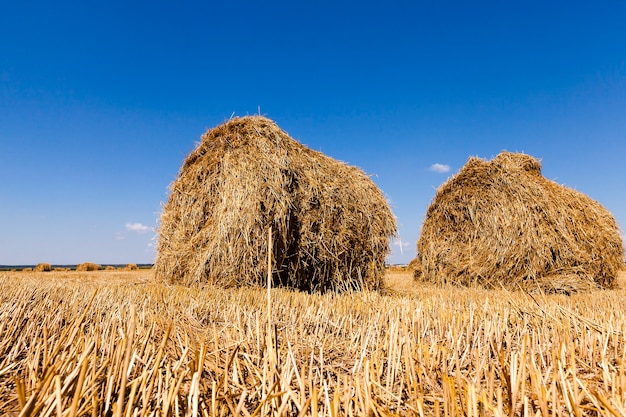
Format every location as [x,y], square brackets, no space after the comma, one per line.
[116,343]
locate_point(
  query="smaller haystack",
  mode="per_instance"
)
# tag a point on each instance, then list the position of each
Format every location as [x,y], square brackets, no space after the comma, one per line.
[88,266]
[43,267]
[131,267]
[331,225]
[500,223]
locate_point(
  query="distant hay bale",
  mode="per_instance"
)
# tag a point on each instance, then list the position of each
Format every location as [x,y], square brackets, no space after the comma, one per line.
[331,225]
[43,267]
[500,223]
[110,268]
[88,266]
[131,267]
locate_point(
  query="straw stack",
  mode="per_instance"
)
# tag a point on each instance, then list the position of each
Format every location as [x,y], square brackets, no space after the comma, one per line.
[500,223]
[330,224]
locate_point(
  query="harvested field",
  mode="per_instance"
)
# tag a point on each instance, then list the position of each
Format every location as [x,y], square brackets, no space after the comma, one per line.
[120,343]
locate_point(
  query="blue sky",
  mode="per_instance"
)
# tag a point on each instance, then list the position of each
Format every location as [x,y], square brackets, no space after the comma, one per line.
[100,102]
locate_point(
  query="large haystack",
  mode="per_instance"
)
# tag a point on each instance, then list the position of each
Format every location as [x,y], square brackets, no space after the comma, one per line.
[330,224]
[500,223]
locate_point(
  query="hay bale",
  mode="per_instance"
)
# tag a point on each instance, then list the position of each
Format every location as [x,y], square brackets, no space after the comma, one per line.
[501,223]
[131,267]
[43,267]
[331,225]
[88,266]
[110,268]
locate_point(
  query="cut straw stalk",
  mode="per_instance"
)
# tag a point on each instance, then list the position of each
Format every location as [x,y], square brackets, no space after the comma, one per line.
[124,371]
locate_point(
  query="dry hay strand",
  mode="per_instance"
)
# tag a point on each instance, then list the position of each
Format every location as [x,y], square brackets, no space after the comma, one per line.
[412,266]
[500,223]
[43,267]
[331,225]
[88,266]
[131,267]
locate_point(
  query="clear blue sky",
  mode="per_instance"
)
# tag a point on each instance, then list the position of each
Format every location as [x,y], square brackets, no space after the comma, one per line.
[100,102]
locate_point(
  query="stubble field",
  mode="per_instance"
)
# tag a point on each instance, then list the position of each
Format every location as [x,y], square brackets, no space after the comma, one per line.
[117,343]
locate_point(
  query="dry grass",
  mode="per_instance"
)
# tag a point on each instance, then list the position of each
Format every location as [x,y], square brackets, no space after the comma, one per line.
[120,344]
[500,223]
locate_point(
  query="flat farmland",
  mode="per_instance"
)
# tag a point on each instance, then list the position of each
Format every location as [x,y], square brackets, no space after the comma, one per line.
[118,343]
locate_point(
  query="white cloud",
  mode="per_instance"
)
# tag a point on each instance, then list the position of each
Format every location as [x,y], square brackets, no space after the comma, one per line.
[440,168]
[119,236]
[402,245]
[137,228]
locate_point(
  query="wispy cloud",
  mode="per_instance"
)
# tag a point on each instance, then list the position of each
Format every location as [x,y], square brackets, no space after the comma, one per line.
[137,228]
[401,244]
[440,168]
